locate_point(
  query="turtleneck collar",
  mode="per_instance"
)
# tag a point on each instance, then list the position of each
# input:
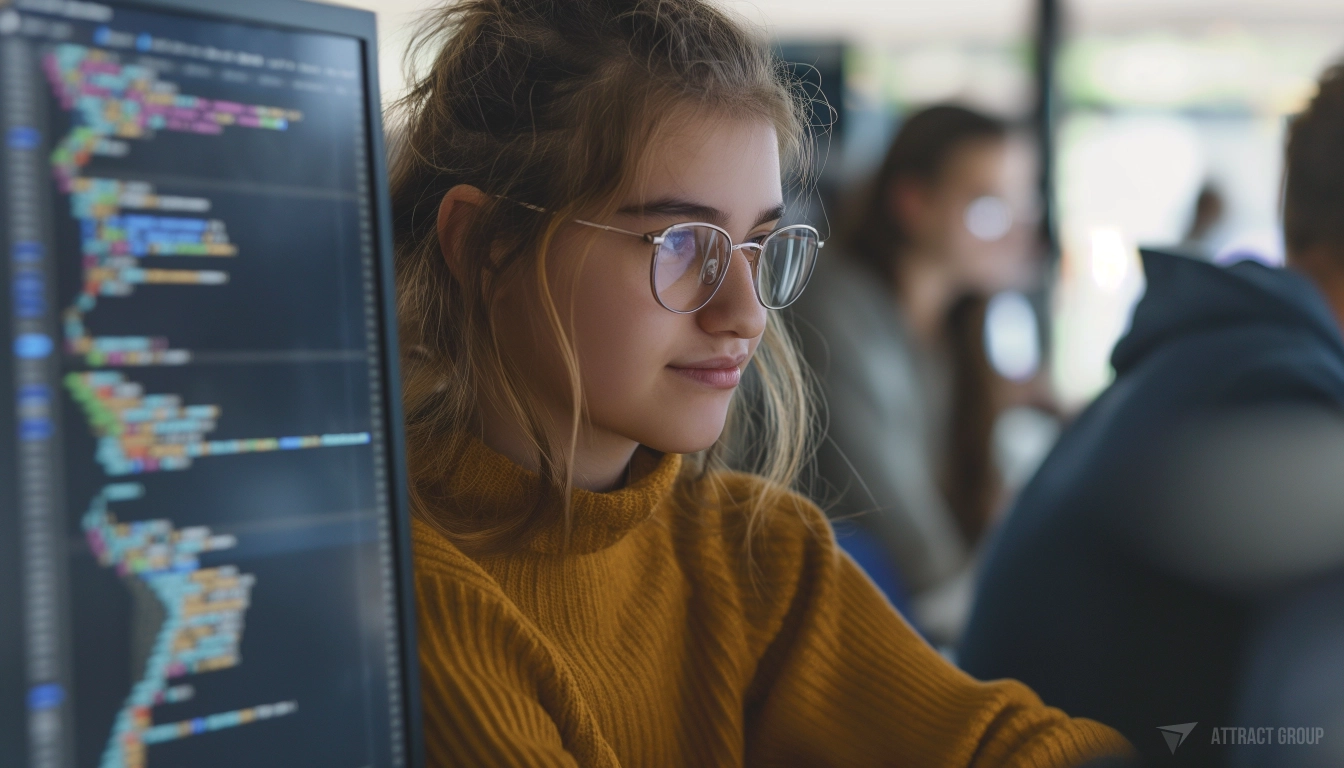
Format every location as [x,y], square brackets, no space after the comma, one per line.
[486,482]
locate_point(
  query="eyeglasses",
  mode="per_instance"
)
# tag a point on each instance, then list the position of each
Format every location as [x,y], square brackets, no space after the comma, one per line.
[989,218]
[689,262]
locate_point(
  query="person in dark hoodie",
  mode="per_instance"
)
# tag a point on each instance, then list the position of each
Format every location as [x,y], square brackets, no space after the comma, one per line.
[1202,486]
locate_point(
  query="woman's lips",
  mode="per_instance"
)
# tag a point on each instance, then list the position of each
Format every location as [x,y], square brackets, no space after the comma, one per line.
[719,373]
[718,378]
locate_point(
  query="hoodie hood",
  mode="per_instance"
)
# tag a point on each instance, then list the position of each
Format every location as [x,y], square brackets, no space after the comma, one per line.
[1186,296]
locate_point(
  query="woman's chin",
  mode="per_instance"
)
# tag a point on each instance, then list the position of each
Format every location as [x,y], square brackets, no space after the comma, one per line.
[691,435]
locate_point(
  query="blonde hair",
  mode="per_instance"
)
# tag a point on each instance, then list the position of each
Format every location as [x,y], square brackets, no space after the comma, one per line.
[553,102]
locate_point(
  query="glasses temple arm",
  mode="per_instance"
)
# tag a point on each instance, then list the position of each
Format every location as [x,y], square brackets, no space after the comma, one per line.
[648,237]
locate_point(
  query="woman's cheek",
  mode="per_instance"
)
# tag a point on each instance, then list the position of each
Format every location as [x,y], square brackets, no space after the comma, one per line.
[621,339]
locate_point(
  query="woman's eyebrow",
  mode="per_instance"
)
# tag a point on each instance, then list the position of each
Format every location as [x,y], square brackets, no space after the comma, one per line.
[677,207]
[769,214]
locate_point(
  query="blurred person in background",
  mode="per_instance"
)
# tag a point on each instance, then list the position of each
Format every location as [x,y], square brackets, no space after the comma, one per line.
[1173,568]
[1208,213]
[893,325]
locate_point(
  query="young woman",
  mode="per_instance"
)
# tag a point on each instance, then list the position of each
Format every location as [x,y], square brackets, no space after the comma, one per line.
[588,202]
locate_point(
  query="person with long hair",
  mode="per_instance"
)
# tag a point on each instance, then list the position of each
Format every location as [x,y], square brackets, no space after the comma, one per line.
[894,325]
[587,197]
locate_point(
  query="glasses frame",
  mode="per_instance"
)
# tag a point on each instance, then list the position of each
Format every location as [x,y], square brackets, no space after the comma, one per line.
[657,237]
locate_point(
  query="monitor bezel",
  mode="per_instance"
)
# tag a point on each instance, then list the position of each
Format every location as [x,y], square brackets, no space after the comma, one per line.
[302,16]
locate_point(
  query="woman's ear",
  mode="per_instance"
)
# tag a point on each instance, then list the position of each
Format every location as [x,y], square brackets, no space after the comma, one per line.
[459,205]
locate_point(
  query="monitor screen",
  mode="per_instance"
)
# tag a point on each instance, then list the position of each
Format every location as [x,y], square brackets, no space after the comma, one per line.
[199,556]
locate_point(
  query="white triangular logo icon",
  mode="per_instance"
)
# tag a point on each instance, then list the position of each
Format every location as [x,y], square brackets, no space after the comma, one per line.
[1175,734]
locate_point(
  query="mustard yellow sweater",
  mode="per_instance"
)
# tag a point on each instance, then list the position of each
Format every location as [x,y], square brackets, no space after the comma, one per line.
[651,641]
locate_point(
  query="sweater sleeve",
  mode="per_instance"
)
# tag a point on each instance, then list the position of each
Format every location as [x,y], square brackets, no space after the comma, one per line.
[845,681]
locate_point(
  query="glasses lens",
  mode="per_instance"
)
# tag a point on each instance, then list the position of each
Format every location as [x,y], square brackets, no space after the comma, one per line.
[786,263]
[989,218]
[689,266]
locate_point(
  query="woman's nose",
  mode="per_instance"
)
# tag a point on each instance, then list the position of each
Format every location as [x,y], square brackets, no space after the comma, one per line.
[735,308]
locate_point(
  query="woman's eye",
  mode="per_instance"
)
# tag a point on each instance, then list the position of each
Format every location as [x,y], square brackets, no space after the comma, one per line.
[679,246]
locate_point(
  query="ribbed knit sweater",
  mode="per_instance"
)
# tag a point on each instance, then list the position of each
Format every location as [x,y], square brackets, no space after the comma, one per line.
[658,637]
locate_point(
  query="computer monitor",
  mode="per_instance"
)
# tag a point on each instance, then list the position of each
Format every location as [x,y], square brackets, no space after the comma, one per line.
[203,546]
